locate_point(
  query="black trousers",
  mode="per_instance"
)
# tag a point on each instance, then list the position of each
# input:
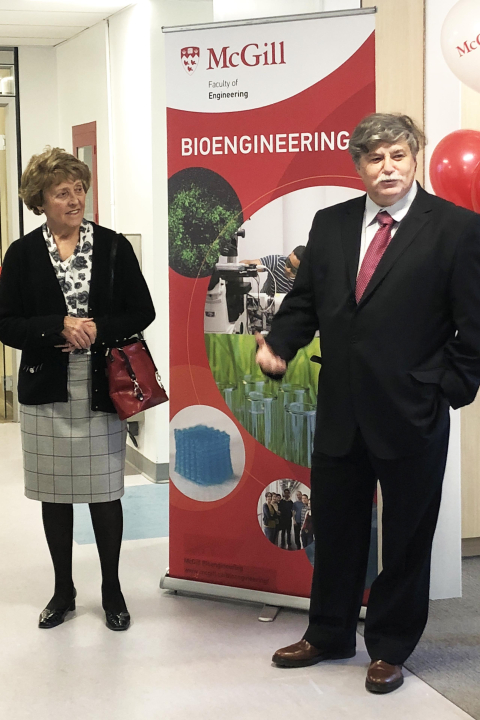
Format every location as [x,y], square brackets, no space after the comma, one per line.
[286,532]
[296,532]
[342,490]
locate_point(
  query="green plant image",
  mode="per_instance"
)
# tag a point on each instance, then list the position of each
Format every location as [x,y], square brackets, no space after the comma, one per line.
[204,213]
[280,415]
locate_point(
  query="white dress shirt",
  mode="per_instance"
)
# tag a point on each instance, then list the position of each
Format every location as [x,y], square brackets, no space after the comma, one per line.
[371,224]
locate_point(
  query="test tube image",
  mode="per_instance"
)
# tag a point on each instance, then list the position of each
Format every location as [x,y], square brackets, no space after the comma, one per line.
[287,393]
[255,416]
[228,391]
[299,432]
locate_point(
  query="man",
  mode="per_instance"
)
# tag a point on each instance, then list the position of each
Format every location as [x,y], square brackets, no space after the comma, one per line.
[392,282]
[285,507]
[297,518]
[276,498]
[281,270]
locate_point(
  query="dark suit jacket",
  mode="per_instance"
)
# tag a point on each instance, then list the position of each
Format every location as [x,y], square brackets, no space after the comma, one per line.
[392,365]
[32,309]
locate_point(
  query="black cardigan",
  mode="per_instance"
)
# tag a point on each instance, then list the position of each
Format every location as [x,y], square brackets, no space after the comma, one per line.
[32,310]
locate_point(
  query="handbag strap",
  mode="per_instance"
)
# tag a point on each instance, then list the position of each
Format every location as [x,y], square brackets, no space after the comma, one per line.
[137,390]
[128,365]
[146,348]
[113,256]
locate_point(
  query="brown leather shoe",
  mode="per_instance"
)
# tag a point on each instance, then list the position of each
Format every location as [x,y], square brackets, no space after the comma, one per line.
[302,654]
[383,677]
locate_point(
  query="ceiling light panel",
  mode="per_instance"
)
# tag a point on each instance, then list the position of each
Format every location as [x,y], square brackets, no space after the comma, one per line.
[34,31]
[67,19]
[100,6]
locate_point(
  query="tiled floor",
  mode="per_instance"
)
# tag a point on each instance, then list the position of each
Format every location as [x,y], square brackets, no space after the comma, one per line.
[182,658]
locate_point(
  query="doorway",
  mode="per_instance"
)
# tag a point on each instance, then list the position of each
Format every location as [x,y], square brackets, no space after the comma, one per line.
[6,353]
[84,140]
[11,217]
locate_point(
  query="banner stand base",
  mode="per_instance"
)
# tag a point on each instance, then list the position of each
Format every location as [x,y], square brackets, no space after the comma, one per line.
[272,602]
[269,613]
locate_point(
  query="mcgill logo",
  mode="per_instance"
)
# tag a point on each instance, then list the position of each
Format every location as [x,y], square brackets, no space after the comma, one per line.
[190,57]
[250,55]
[467,47]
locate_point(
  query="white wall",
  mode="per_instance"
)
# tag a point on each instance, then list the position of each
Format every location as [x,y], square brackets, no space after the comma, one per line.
[39,107]
[82,98]
[442,116]
[131,122]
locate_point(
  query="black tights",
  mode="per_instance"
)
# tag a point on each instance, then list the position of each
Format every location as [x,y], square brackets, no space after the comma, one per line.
[107,521]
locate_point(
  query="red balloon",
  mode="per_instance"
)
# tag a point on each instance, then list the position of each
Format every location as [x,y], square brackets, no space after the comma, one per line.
[476,189]
[452,166]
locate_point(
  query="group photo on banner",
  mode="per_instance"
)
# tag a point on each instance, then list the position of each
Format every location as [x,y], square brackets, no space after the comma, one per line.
[259,118]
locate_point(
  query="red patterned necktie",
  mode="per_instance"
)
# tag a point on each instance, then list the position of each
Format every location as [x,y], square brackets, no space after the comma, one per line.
[374,252]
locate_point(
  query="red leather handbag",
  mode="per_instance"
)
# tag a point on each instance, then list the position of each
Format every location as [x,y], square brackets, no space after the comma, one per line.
[133,380]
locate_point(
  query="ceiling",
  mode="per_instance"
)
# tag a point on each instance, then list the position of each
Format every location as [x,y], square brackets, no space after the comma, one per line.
[50,22]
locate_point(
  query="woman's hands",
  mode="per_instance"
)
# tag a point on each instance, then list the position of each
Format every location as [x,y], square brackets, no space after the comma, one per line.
[80,333]
[266,358]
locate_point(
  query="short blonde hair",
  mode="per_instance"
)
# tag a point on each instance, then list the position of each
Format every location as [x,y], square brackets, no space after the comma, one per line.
[51,167]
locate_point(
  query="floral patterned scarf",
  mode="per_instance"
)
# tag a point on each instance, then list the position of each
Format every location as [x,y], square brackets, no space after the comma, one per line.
[75,272]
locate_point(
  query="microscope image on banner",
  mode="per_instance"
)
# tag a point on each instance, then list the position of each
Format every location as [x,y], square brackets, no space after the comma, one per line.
[204,213]
[256,267]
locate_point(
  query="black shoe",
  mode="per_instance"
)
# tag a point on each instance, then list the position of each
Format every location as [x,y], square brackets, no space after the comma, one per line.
[51,617]
[117,621]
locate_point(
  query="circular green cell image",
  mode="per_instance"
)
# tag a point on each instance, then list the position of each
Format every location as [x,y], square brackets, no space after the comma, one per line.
[204,213]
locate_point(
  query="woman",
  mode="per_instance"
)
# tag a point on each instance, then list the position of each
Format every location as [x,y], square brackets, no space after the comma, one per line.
[270,517]
[54,306]
[307,527]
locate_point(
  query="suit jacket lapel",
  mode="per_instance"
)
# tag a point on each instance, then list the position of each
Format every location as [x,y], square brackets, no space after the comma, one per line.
[351,236]
[409,228]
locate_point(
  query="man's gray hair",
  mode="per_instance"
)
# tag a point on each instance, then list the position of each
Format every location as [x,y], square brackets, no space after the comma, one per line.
[389,128]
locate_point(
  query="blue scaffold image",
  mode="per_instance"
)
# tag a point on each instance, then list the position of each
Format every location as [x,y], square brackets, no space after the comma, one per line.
[203,455]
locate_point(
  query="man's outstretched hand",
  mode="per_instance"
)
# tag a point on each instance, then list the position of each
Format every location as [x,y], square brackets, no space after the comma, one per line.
[266,358]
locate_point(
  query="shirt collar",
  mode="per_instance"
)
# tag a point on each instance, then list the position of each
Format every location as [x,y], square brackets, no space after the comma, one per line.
[397,211]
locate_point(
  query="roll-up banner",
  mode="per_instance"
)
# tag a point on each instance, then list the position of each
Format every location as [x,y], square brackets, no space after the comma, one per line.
[259,117]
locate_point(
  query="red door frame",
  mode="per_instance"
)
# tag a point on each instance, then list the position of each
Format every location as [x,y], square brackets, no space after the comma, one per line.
[83,135]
